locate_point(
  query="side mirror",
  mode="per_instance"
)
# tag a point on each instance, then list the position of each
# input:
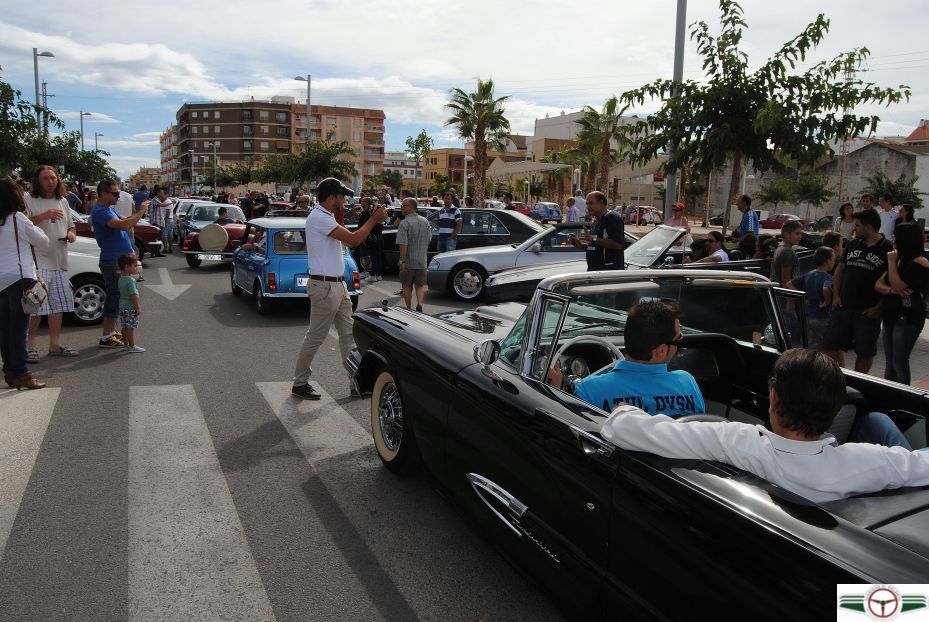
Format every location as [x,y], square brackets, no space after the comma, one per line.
[487,352]
[535,248]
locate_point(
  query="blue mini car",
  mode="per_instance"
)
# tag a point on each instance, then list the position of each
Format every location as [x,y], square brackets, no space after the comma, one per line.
[544,212]
[270,263]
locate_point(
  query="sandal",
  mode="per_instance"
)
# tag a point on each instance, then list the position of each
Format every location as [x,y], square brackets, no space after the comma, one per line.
[63,351]
[32,355]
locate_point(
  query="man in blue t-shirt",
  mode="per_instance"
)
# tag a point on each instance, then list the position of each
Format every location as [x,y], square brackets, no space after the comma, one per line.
[110,231]
[643,380]
[750,222]
[140,195]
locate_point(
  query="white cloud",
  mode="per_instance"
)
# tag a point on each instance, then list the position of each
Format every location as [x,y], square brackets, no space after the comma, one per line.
[147,135]
[111,145]
[96,117]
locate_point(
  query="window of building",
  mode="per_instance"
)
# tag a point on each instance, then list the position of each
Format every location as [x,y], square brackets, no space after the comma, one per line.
[216,129]
[195,144]
[246,115]
[264,130]
[216,144]
[263,145]
[216,114]
[247,130]
[263,115]
[280,117]
[281,131]
[331,121]
[193,114]
[246,144]
[206,129]
[357,121]
[194,130]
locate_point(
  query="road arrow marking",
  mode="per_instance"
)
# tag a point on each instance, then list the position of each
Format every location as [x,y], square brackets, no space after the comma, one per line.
[167,289]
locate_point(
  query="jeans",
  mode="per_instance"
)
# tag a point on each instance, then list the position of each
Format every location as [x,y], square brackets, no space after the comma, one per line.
[899,339]
[110,270]
[878,429]
[14,325]
[376,252]
[446,244]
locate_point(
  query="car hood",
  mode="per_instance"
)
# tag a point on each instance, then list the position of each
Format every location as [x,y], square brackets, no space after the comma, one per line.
[536,272]
[484,252]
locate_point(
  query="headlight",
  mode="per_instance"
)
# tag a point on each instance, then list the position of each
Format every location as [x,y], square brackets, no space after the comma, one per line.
[434,264]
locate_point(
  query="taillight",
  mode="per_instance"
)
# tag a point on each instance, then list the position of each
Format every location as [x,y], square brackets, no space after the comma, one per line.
[272,281]
[356,280]
[186,245]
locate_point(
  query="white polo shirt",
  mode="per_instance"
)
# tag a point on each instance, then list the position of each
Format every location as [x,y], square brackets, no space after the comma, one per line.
[323,253]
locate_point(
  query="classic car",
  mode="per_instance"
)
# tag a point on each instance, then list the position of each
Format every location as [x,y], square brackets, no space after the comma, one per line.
[777,221]
[546,212]
[823,223]
[147,237]
[662,246]
[208,241]
[275,269]
[519,206]
[463,272]
[480,227]
[610,533]
[182,213]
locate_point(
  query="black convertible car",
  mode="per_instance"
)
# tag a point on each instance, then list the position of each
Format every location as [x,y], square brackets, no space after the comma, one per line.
[610,533]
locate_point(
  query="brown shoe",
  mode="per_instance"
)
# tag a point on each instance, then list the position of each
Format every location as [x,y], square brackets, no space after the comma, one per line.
[25,381]
[305,391]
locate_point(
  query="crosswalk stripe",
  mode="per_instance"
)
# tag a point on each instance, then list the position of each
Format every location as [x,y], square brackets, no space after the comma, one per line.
[24,420]
[188,555]
[321,429]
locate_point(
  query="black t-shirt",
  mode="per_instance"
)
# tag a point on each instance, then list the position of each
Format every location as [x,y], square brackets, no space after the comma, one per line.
[917,279]
[247,206]
[609,226]
[863,267]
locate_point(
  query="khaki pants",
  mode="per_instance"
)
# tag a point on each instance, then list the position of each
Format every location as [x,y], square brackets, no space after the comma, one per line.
[329,302]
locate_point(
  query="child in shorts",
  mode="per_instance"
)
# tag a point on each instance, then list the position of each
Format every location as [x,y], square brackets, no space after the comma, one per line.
[129,305]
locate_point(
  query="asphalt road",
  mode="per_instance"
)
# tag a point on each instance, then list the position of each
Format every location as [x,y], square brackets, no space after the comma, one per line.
[185,484]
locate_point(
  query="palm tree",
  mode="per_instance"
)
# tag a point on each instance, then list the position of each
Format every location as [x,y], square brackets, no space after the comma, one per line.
[598,131]
[479,117]
[558,178]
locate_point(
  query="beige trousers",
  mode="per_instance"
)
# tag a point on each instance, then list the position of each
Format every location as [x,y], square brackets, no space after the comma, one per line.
[329,303]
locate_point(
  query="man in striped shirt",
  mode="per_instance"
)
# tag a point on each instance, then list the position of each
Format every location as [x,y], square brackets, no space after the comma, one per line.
[449,225]
[750,223]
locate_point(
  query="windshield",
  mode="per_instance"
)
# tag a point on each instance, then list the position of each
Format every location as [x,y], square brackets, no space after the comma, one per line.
[210,212]
[647,250]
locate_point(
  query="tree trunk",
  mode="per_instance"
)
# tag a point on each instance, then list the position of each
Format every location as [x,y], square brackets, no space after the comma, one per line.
[734,185]
[480,166]
[604,180]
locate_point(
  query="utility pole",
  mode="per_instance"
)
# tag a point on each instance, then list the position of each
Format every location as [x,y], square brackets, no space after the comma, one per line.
[678,78]
[843,149]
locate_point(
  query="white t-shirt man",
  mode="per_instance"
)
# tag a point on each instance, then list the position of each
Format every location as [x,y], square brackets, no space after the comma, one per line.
[55,257]
[888,221]
[580,204]
[721,253]
[323,253]
[125,205]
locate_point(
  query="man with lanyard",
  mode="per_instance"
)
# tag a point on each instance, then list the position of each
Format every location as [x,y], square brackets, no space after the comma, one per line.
[449,225]
[110,231]
[750,222]
[329,300]
[605,240]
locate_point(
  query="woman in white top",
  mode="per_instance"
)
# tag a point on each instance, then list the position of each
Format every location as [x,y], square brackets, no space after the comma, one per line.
[17,271]
[678,218]
[845,221]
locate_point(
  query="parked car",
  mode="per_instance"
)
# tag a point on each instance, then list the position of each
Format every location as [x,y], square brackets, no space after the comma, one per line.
[492,204]
[480,227]
[662,246]
[277,269]
[716,220]
[544,212]
[146,238]
[643,215]
[208,241]
[463,273]
[778,220]
[519,206]
[184,210]
[87,283]
[598,527]
[823,223]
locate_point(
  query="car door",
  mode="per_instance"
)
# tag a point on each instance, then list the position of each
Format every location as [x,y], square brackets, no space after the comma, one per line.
[481,228]
[555,245]
[533,473]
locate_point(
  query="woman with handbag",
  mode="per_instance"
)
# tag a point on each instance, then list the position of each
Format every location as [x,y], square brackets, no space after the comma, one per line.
[17,278]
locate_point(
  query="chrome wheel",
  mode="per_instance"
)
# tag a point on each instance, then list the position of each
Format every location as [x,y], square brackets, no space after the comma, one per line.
[89,297]
[391,427]
[390,417]
[468,283]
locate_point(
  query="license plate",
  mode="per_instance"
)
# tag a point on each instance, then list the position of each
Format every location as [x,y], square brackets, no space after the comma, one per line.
[302,281]
[206,257]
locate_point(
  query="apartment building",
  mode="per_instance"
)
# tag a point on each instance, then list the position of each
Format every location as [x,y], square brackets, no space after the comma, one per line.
[361,128]
[226,132]
[401,162]
[450,162]
[149,176]
[170,175]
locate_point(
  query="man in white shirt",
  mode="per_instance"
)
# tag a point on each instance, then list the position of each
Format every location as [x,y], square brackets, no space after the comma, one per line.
[47,207]
[329,300]
[580,204]
[889,216]
[806,390]
[717,249]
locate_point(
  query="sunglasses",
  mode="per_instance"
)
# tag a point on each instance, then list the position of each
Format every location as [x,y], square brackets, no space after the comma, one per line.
[115,193]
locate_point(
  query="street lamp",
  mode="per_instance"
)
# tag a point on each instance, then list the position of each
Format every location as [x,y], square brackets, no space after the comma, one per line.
[83,114]
[192,186]
[308,80]
[96,135]
[35,67]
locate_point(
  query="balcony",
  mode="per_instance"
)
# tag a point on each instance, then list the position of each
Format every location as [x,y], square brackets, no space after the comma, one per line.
[374,128]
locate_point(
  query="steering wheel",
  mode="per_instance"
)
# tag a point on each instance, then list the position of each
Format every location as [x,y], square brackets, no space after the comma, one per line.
[615,353]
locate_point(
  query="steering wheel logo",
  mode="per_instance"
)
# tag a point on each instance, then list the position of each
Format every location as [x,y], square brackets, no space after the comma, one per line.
[883,603]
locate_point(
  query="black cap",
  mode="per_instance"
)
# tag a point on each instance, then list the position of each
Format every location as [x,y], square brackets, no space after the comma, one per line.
[330,186]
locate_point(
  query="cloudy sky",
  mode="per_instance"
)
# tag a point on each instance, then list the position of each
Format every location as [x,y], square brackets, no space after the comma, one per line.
[132,64]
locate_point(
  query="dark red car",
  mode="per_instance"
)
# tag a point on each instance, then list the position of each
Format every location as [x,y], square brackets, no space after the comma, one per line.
[777,221]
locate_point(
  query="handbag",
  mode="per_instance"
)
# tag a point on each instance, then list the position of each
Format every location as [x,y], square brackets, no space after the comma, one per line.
[34,296]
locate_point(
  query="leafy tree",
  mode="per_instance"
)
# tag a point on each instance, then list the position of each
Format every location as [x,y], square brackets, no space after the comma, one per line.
[902,190]
[772,116]
[479,117]
[242,173]
[374,182]
[600,130]
[19,131]
[320,159]
[439,184]
[418,147]
[775,192]
[224,177]
[393,179]
[558,179]
[812,189]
